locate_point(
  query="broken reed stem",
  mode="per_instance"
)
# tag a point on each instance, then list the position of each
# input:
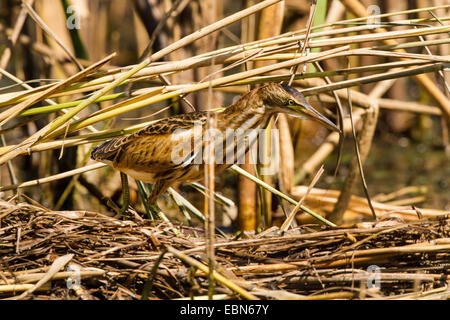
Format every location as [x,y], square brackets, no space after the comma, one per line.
[326,200]
[369,126]
[53,177]
[397,105]
[362,148]
[151,277]
[231,285]
[57,265]
[209,199]
[239,170]
[291,216]
[31,276]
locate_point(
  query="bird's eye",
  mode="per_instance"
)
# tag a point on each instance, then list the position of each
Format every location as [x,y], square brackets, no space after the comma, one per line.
[291,102]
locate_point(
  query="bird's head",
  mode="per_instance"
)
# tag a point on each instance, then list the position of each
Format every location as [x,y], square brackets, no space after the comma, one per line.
[286,99]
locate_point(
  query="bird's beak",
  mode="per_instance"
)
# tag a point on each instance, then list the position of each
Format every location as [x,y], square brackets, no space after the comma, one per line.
[311,113]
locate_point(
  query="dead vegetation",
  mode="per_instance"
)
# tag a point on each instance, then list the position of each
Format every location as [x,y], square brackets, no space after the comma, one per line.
[356,71]
[116,259]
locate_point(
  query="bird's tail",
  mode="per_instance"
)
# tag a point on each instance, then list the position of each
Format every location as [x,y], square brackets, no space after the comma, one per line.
[107,151]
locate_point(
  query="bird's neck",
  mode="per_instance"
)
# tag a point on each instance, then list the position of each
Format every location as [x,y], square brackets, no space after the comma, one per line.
[249,112]
[239,124]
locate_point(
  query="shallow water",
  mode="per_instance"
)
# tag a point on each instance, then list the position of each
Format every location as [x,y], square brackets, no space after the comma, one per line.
[395,163]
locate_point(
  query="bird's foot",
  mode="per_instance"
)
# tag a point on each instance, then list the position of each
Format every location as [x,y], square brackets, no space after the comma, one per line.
[154,210]
[121,213]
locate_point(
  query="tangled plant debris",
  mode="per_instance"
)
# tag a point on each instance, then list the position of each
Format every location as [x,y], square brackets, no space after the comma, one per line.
[110,259]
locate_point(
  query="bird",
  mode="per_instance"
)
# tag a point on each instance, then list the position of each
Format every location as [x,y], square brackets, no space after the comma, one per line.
[152,154]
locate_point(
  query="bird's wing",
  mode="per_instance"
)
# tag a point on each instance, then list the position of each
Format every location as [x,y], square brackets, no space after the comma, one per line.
[109,150]
[169,125]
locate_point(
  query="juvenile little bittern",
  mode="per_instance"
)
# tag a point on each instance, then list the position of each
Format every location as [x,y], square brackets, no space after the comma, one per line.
[148,155]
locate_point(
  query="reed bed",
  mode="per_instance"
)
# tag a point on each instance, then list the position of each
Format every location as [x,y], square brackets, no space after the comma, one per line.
[116,259]
[329,247]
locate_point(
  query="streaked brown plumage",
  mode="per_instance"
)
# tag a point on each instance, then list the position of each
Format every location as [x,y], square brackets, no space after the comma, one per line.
[147,155]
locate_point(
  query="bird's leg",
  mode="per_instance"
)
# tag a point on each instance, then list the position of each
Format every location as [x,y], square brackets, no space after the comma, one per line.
[125,196]
[158,188]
